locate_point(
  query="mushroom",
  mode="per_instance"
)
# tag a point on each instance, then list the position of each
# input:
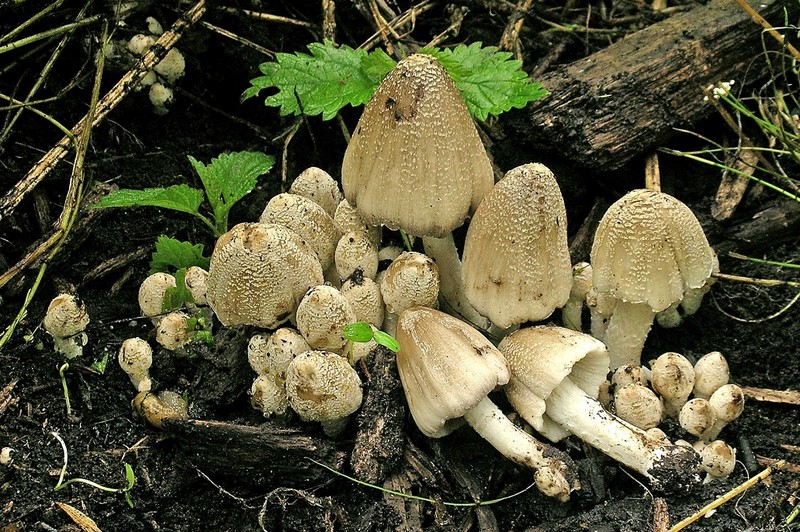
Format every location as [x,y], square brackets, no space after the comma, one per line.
[356,251]
[417,129]
[135,358]
[322,386]
[728,404]
[629,374]
[172,67]
[308,220]
[65,320]
[157,408]
[516,261]
[196,280]
[173,331]
[259,273]
[268,395]
[347,219]
[317,185]
[161,97]
[672,377]
[448,369]
[273,354]
[571,312]
[711,372]
[151,294]
[649,252]
[555,375]
[697,416]
[718,460]
[411,280]
[364,296]
[638,405]
[322,316]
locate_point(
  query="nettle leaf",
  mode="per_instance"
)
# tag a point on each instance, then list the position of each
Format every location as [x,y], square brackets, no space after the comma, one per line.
[176,296]
[490,81]
[181,198]
[323,82]
[172,254]
[231,176]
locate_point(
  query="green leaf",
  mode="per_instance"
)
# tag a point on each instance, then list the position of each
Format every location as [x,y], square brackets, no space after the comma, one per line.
[323,82]
[181,198]
[360,331]
[176,296]
[172,254]
[386,340]
[490,81]
[100,365]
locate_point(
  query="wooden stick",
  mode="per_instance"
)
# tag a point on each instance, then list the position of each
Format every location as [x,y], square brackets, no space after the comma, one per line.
[787,397]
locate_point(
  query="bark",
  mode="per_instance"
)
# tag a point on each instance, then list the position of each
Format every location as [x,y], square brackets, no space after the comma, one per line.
[618,103]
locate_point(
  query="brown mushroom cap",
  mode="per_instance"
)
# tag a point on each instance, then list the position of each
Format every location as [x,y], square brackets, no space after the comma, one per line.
[516,261]
[259,273]
[308,220]
[446,367]
[415,160]
[650,248]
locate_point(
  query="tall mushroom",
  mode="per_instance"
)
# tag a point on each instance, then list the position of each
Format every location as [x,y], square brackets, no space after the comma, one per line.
[416,162]
[516,261]
[259,273]
[555,376]
[448,369]
[649,253]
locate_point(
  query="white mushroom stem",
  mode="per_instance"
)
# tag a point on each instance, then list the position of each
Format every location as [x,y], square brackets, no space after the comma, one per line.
[520,447]
[667,466]
[444,253]
[627,331]
[571,312]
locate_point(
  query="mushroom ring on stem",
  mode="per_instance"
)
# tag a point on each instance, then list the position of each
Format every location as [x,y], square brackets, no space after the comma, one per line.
[556,374]
[649,255]
[447,369]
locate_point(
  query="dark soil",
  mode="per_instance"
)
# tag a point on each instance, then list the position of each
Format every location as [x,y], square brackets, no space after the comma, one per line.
[184,482]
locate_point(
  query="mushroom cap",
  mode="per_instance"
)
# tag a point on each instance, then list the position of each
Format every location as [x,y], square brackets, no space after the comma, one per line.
[322,386]
[697,416]
[365,299]
[268,394]
[539,359]
[317,185]
[172,331]
[259,273]
[638,405]
[356,251]
[446,367]
[672,376]
[172,67]
[415,160]
[411,280]
[308,220]
[322,315]
[711,372]
[516,260]
[347,218]
[196,282]
[66,316]
[650,248]
[727,402]
[271,354]
[152,290]
[135,358]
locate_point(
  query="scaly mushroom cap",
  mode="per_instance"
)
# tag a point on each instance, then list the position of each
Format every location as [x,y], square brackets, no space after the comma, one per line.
[516,260]
[152,290]
[308,220]
[135,358]
[66,316]
[318,186]
[540,358]
[196,282]
[322,386]
[446,367]
[365,298]
[411,280]
[650,248]
[356,251]
[416,141]
[259,273]
[322,315]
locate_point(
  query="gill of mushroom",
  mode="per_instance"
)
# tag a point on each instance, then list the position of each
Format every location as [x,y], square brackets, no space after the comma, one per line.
[555,376]
[259,273]
[649,253]
[417,129]
[516,260]
[447,369]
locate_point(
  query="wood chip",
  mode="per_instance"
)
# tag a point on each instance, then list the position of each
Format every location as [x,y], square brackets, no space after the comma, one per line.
[787,397]
[85,522]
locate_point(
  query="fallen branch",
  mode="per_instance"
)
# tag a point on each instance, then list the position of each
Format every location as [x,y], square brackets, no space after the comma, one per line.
[786,397]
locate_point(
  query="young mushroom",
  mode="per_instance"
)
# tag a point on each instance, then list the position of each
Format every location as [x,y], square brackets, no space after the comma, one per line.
[697,416]
[572,311]
[173,331]
[411,280]
[322,316]
[317,185]
[151,294]
[65,320]
[364,296]
[516,261]
[135,358]
[648,253]
[728,404]
[711,372]
[322,386]
[259,273]
[555,375]
[638,405]
[672,377]
[448,369]
[718,460]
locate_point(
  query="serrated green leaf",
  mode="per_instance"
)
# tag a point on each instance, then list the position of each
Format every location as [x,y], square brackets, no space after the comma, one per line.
[323,82]
[176,296]
[386,340]
[181,198]
[490,81]
[357,332]
[231,176]
[172,254]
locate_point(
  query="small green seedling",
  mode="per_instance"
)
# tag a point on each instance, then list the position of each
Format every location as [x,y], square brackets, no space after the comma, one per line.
[130,477]
[62,373]
[332,77]
[100,365]
[362,332]
[226,180]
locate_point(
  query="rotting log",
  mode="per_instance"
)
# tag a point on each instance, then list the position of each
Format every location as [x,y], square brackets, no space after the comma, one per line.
[256,456]
[621,102]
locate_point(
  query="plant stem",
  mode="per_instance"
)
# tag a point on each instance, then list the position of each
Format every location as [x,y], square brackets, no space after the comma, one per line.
[61,371]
